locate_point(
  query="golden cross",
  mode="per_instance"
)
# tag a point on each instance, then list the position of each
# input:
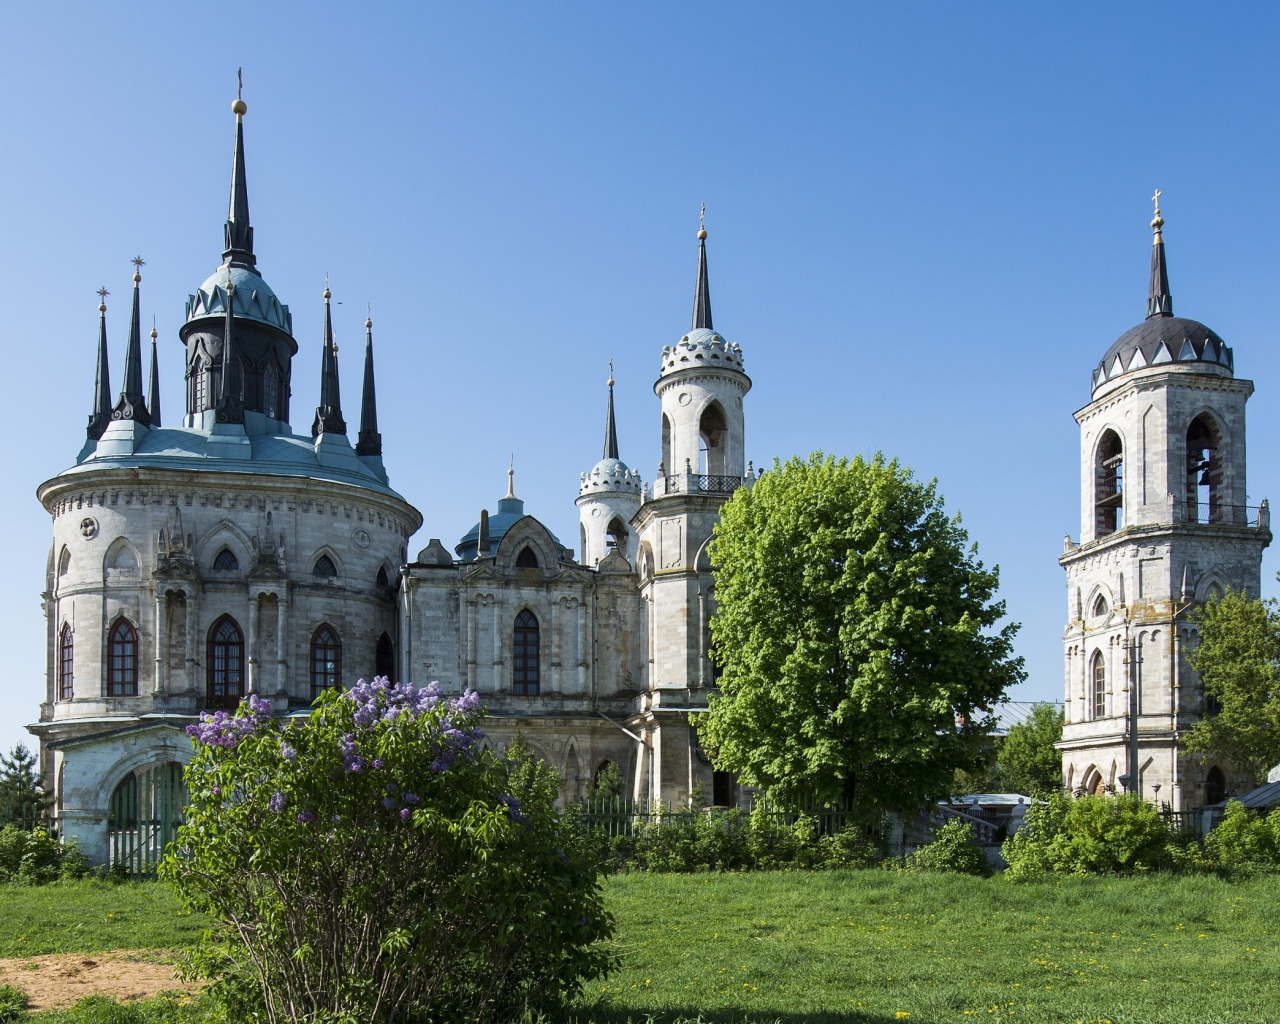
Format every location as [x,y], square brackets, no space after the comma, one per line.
[138,262]
[702,216]
[1156,199]
[103,293]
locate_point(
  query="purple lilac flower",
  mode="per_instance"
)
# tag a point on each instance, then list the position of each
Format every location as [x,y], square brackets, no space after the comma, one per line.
[305,818]
[278,801]
[412,798]
[287,752]
[404,813]
[224,730]
[388,802]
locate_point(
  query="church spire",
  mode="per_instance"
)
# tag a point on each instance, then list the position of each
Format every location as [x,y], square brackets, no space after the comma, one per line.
[369,441]
[1159,301]
[329,412]
[102,384]
[610,430]
[702,292]
[238,232]
[131,405]
[153,389]
[230,407]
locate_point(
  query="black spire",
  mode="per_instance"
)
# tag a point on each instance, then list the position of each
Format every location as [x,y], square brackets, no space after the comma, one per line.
[370,441]
[230,407]
[153,389]
[1159,301]
[238,232]
[610,431]
[329,412]
[131,405]
[702,292]
[102,384]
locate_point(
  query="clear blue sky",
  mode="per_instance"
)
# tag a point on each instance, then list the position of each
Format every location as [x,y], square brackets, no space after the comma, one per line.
[927,223]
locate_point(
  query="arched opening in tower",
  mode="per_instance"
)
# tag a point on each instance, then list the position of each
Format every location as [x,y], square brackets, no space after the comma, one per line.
[1204,471]
[616,536]
[1108,500]
[711,438]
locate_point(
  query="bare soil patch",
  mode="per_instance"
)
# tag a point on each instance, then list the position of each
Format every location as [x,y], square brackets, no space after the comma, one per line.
[61,979]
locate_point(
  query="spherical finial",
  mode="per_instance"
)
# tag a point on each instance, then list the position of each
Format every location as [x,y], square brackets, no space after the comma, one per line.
[137,278]
[237,105]
[702,234]
[702,227]
[327,294]
[102,307]
[368,323]
[239,108]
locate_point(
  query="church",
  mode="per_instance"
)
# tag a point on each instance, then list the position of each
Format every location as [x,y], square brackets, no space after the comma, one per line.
[196,563]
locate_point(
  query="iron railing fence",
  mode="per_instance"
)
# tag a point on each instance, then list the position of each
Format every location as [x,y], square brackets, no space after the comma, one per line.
[1216,514]
[701,483]
[620,816]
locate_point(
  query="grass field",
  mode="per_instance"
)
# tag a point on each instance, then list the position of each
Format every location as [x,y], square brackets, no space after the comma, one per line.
[844,947]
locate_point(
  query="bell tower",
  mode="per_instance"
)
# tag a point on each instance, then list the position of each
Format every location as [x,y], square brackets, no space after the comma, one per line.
[1164,524]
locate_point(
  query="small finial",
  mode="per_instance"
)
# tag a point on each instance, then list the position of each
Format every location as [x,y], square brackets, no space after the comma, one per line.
[327,294]
[153,329]
[702,226]
[102,299]
[238,106]
[1157,222]
[511,477]
[610,373]
[138,263]
[368,318]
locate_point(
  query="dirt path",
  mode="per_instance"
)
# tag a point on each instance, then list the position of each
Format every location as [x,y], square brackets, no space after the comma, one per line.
[62,978]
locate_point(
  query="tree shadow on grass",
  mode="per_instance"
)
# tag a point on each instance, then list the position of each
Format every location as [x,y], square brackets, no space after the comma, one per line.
[693,1015]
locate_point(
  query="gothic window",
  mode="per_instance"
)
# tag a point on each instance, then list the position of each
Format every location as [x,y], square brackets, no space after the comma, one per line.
[1215,786]
[226,663]
[64,563]
[1204,472]
[326,660]
[616,536]
[324,568]
[66,663]
[1212,703]
[1100,607]
[271,392]
[122,660]
[1108,498]
[525,655]
[199,394]
[1098,672]
[711,433]
[226,561]
[526,559]
[382,577]
[384,658]
[666,445]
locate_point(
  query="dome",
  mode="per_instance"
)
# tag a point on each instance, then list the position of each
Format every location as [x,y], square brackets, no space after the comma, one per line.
[510,511]
[610,475]
[1163,339]
[254,299]
[702,346]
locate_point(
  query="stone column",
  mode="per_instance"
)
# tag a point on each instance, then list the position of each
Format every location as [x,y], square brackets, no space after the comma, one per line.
[162,637]
[251,653]
[282,656]
[583,644]
[193,635]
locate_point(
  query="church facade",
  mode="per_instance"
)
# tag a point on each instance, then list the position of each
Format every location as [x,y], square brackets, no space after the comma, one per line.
[194,564]
[1164,526]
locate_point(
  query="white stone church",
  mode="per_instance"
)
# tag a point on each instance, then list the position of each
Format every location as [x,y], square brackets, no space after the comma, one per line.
[194,564]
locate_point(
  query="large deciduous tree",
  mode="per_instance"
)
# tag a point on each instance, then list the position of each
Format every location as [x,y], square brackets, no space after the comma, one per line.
[1028,760]
[1238,658]
[857,634]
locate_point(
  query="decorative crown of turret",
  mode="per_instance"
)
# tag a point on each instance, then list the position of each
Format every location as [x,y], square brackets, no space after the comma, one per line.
[703,346]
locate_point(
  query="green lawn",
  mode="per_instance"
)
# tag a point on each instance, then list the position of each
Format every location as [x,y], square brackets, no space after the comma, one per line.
[844,947]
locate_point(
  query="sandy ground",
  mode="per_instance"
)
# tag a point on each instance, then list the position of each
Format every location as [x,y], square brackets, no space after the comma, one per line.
[62,978]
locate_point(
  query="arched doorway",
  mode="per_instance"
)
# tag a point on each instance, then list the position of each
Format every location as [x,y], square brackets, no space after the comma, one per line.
[145,812]
[1215,786]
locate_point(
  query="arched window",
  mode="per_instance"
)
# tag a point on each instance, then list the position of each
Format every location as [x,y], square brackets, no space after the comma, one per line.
[1215,786]
[1108,500]
[527,559]
[1212,703]
[324,568]
[122,660]
[382,580]
[666,445]
[711,434]
[1100,607]
[525,655]
[1204,472]
[1098,673]
[226,561]
[616,536]
[64,563]
[66,663]
[326,660]
[226,663]
[199,393]
[271,392]
[384,658]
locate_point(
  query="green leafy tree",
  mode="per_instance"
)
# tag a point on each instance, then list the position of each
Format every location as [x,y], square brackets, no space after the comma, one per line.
[22,798]
[1238,658]
[1027,758]
[371,863]
[856,630]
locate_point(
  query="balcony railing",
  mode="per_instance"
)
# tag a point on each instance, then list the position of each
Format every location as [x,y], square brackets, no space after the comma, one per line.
[697,483]
[1212,513]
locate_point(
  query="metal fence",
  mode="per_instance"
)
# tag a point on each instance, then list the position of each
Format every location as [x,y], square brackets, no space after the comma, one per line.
[1218,514]
[620,816]
[146,810]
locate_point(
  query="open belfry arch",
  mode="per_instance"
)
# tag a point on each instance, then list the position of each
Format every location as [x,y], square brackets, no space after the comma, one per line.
[1164,523]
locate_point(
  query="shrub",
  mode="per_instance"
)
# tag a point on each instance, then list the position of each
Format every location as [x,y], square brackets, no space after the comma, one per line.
[1245,839]
[13,1003]
[369,863]
[952,849]
[1090,835]
[36,856]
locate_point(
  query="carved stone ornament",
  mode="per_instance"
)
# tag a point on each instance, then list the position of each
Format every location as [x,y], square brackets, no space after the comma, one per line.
[88,527]
[360,538]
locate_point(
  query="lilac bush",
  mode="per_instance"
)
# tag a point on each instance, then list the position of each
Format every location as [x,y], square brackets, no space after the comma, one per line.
[371,863]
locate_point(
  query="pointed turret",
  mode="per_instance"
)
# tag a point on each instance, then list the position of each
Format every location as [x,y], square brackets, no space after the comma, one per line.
[329,412]
[101,415]
[153,389]
[1159,301]
[610,430]
[702,291]
[370,441]
[131,405]
[238,232]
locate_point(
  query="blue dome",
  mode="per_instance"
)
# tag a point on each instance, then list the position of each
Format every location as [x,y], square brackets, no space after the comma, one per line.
[510,511]
[254,299]
[608,467]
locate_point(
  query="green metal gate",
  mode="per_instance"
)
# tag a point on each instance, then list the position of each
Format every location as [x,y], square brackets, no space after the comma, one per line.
[146,810]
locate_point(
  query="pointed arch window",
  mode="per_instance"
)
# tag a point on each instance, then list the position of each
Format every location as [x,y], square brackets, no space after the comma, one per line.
[616,536]
[226,561]
[271,392]
[66,663]
[1098,677]
[199,386]
[1108,499]
[1204,472]
[1215,786]
[226,663]
[712,428]
[527,559]
[326,660]
[122,660]
[324,568]
[384,658]
[382,580]
[527,646]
